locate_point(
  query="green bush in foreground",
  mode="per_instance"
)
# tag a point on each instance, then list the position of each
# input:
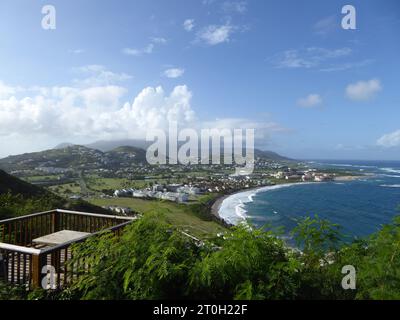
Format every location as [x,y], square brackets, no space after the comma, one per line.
[152,260]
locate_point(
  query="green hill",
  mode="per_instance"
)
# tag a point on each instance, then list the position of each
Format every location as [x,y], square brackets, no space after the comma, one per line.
[127,153]
[18,197]
[13,185]
[269,155]
[69,157]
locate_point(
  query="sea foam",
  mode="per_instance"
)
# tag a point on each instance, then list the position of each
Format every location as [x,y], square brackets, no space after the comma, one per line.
[233,208]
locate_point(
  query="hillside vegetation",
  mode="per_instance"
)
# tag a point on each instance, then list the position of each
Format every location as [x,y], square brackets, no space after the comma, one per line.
[154,260]
[18,197]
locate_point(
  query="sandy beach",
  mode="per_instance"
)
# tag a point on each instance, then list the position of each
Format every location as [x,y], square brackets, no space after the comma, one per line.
[218,202]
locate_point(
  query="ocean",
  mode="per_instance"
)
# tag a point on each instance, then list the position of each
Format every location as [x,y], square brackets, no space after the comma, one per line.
[360,207]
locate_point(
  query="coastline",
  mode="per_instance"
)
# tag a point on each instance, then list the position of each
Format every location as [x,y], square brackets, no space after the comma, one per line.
[218,203]
[216,207]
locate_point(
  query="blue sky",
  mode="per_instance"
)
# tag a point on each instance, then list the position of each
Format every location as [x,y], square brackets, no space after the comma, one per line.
[111,69]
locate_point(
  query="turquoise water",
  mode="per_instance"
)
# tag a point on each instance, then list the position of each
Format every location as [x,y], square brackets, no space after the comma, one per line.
[360,206]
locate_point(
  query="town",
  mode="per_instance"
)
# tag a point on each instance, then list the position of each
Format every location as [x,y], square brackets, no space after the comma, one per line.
[110,178]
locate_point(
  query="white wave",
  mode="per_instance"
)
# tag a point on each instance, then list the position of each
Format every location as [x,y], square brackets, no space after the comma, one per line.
[391,170]
[233,210]
[389,175]
[349,165]
[250,197]
[390,185]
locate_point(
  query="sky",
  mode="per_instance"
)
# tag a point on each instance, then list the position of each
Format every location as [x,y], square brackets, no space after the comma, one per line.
[113,69]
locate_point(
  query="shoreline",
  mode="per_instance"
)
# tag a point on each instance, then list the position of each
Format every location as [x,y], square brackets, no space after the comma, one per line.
[216,206]
[218,201]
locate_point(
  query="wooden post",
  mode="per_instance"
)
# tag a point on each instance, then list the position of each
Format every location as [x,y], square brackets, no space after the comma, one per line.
[55,222]
[38,261]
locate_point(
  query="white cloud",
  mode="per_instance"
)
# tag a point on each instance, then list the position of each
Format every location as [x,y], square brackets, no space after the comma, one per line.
[347,66]
[188,24]
[326,25]
[77,51]
[234,6]
[7,91]
[158,40]
[83,114]
[138,52]
[263,129]
[106,97]
[98,75]
[310,57]
[312,100]
[215,34]
[93,113]
[390,139]
[174,72]
[363,90]
[207,2]
[148,49]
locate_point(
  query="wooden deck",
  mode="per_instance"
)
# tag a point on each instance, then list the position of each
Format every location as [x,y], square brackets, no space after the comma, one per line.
[26,263]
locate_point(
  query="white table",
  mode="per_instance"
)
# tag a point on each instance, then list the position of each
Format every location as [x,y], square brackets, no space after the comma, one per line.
[60,237]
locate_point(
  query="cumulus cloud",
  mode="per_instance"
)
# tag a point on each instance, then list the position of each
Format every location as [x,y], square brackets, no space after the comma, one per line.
[312,100]
[82,114]
[215,34]
[390,139]
[94,112]
[174,72]
[188,25]
[363,90]
[6,91]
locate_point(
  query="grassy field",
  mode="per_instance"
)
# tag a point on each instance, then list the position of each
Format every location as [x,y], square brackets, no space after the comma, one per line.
[66,189]
[181,215]
[106,183]
[41,178]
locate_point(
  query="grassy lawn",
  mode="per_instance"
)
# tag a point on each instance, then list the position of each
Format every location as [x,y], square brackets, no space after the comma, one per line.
[180,215]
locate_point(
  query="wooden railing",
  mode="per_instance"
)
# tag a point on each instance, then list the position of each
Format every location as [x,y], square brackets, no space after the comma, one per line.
[21,263]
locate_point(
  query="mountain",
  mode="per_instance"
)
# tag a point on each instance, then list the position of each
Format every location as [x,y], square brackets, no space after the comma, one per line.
[269,155]
[70,157]
[63,145]
[76,157]
[105,145]
[127,153]
[18,197]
